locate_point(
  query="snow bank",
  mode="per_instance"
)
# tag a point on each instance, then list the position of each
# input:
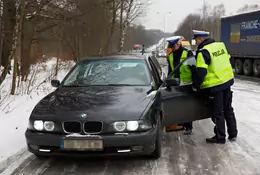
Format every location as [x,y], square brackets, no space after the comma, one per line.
[15,110]
[246,101]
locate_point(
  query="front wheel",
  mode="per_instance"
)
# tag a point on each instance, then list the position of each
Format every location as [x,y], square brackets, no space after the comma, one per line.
[40,156]
[156,154]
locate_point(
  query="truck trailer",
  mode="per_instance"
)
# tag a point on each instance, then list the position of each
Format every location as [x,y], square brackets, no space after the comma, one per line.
[241,35]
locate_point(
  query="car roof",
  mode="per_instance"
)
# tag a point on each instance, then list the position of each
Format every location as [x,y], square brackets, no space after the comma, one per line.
[115,56]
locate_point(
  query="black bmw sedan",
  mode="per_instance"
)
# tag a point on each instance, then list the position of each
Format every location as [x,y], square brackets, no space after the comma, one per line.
[113,105]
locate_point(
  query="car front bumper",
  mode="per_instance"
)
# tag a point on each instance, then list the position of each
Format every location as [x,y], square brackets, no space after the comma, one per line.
[132,144]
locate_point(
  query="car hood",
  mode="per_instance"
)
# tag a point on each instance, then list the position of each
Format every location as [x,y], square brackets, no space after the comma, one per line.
[97,102]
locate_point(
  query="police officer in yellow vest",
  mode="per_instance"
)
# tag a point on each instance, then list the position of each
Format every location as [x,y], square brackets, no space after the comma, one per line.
[214,78]
[176,54]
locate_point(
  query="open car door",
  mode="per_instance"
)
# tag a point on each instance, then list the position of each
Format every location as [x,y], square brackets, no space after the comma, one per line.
[180,103]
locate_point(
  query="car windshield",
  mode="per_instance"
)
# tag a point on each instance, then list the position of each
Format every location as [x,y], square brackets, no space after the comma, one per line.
[113,72]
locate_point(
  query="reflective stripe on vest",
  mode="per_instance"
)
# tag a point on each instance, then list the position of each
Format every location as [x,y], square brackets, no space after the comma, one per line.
[184,55]
[220,70]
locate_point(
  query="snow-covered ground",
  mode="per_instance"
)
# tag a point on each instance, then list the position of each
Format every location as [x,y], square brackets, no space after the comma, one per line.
[15,110]
[247,101]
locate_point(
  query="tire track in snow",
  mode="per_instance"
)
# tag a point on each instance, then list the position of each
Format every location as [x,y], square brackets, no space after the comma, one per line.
[181,155]
[14,162]
[33,166]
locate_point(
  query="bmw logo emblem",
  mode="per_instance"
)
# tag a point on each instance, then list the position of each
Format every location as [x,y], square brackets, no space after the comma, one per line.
[84,115]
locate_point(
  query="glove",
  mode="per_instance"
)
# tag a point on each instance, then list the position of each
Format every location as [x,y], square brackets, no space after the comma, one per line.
[194,89]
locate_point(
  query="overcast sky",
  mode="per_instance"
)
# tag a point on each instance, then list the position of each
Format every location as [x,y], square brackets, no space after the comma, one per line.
[180,8]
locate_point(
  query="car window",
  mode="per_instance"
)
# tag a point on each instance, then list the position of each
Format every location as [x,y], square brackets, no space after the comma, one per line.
[109,72]
[157,65]
[155,73]
[73,77]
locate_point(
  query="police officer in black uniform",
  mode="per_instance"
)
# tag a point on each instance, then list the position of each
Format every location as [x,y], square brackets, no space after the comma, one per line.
[213,79]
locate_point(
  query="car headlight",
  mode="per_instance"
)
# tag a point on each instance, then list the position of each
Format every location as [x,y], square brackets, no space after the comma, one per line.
[48,125]
[141,125]
[145,125]
[132,125]
[119,126]
[38,125]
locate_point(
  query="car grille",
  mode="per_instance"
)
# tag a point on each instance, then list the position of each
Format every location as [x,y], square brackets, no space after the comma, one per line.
[72,127]
[92,127]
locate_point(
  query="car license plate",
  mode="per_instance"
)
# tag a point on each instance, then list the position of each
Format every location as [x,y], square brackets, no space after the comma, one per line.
[90,145]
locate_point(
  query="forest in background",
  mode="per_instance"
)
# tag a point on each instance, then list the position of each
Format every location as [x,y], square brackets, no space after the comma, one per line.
[208,19]
[33,31]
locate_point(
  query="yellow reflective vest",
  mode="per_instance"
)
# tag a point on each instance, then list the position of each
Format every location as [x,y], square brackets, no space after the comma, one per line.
[185,72]
[220,70]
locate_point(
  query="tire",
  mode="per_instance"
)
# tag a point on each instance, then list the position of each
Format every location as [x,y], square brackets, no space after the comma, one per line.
[156,154]
[248,67]
[239,66]
[256,68]
[232,61]
[39,156]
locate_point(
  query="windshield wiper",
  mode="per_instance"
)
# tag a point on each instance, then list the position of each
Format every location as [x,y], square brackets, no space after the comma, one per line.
[119,85]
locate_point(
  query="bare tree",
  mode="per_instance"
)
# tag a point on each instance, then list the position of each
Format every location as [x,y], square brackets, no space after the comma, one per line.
[133,9]
[208,19]
[20,18]
[247,8]
[10,36]
[66,29]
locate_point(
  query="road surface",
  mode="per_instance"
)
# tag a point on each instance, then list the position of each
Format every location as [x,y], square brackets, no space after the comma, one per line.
[181,154]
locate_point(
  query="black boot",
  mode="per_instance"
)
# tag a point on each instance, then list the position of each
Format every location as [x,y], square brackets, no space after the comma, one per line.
[217,140]
[232,138]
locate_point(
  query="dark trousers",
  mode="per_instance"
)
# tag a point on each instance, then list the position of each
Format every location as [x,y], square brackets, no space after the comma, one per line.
[223,112]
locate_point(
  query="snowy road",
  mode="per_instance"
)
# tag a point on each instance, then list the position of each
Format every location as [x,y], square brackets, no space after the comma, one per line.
[181,154]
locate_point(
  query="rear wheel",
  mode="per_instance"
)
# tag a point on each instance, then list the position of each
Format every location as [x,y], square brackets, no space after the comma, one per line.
[248,67]
[239,66]
[256,68]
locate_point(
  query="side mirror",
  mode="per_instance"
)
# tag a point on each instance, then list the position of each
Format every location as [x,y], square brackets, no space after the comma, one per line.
[172,82]
[55,83]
